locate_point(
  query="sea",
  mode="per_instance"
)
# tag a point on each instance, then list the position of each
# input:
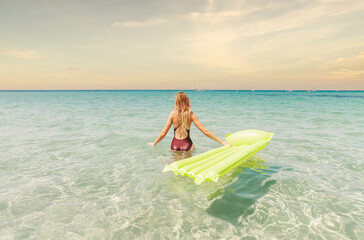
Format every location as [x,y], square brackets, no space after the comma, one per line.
[76,165]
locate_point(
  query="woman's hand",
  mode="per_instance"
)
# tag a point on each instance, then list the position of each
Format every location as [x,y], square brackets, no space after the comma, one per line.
[226,144]
[151,144]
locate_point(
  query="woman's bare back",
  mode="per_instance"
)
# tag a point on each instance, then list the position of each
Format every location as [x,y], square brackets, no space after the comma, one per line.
[180,133]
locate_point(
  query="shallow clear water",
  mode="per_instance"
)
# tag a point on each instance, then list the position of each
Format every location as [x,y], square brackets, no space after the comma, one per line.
[75,165]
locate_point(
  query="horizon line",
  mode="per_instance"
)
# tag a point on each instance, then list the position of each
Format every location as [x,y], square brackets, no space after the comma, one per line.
[136,89]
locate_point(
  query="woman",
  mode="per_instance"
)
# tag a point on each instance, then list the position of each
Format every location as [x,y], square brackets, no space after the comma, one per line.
[181,118]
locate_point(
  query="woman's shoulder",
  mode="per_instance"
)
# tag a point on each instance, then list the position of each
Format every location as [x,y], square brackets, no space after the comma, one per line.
[172,114]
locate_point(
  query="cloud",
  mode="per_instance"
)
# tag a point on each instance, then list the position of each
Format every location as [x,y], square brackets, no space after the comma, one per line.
[340,73]
[33,55]
[210,6]
[257,19]
[138,24]
[361,55]
[349,67]
[300,17]
[212,50]
[239,37]
[211,15]
[235,11]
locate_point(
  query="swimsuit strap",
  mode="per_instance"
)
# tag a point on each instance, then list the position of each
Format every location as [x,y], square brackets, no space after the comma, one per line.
[188,131]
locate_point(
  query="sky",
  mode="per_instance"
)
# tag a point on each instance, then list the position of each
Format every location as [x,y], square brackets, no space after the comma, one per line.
[182,44]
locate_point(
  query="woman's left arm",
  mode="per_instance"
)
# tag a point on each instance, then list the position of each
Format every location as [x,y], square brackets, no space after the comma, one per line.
[164,131]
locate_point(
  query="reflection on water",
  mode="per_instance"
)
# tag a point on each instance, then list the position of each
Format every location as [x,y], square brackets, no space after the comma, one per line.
[255,163]
[238,198]
[234,195]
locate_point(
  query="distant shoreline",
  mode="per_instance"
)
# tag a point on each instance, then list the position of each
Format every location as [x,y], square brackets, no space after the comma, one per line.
[119,90]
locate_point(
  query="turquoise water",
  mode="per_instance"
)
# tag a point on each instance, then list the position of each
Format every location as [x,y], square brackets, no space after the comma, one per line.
[75,165]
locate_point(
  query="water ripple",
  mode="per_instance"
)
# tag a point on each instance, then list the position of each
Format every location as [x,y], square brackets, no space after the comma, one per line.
[75,165]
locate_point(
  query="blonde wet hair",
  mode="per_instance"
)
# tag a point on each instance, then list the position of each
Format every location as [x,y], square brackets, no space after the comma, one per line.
[182,109]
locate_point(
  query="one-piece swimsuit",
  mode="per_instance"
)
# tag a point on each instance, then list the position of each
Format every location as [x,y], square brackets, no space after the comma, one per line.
[181,144]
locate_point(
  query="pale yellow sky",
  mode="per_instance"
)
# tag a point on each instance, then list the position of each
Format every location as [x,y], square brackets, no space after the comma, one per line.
[170,44]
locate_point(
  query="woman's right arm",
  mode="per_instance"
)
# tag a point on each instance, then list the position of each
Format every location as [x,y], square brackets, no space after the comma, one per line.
[199,125]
